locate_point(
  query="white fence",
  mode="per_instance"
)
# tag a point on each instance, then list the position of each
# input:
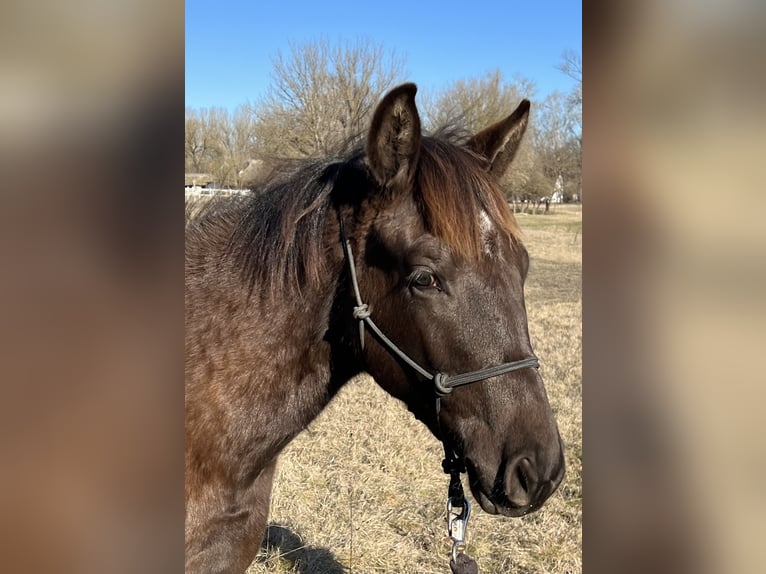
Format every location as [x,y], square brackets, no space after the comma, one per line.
[207,191]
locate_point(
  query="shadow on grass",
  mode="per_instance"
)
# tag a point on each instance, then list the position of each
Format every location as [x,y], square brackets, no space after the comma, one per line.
[283,545]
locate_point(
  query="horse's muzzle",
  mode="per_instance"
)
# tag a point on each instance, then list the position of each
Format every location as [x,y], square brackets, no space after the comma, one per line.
[520,486]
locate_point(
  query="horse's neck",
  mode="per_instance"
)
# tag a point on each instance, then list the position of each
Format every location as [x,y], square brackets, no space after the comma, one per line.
[259,367]
[308,354]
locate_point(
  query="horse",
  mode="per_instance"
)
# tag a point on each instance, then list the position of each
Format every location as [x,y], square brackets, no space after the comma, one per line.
[401,259]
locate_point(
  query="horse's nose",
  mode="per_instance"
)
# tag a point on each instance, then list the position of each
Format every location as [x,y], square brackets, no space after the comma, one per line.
[521,482]
[527,484]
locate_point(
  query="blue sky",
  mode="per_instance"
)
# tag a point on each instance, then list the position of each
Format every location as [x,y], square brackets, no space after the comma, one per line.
[229,43]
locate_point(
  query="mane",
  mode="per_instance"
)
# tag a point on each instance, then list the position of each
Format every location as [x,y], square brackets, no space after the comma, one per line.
[279,241]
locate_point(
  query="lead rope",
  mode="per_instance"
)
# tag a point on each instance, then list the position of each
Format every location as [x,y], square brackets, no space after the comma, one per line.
[458,507]
[458,513]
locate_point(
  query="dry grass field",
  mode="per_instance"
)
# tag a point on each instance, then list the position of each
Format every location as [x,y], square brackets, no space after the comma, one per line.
[362,489]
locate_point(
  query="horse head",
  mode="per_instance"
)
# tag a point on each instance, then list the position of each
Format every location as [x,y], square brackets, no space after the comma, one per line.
[441,269]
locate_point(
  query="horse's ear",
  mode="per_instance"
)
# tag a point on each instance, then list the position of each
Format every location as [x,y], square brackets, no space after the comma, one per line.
[500,142]
[393,142]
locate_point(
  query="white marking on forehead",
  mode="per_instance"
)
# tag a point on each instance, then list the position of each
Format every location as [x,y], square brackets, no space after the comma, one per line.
[487,227]
[486,223]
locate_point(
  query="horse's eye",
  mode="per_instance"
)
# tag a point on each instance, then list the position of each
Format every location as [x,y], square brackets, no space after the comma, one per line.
[424,279]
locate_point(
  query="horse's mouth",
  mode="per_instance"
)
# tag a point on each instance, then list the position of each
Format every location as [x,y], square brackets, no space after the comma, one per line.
[495,502]
[490,507]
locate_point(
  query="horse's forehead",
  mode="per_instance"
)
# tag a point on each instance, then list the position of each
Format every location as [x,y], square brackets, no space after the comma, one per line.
[401,218]
[405,226]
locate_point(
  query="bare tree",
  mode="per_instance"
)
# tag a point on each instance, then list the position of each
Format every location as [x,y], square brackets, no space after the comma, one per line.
[557,140]
[555,124]
[322,96]
[475,103]
[571,65]
[198,141]
[235,143]
[193,145]
[220,143]
[471,105]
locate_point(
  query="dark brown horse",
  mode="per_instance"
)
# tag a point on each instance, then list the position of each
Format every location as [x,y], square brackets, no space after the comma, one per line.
[272,322]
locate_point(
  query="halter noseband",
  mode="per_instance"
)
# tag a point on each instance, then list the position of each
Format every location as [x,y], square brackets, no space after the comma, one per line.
[443,385]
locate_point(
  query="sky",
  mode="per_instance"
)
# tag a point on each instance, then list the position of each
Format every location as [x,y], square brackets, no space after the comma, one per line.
[230,43]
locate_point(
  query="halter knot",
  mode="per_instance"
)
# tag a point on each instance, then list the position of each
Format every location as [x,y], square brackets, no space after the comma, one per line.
[439,386]
[362,312]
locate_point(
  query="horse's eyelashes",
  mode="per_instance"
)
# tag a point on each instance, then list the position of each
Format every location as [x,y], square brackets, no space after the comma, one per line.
[424,279]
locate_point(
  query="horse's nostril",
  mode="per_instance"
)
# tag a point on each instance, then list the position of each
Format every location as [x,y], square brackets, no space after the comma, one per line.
[522,478]
[520,483]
